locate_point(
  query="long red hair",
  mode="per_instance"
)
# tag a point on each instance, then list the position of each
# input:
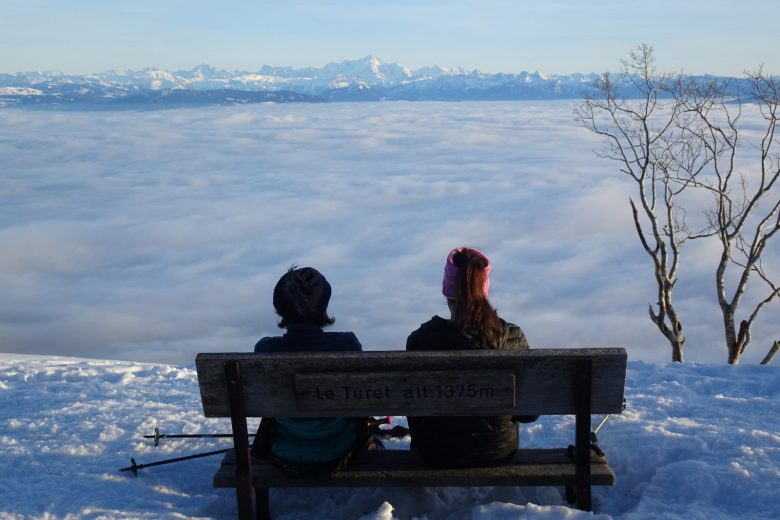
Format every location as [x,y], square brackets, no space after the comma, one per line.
[473,312]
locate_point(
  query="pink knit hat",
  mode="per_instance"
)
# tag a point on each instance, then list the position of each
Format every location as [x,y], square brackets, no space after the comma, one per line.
[449,284]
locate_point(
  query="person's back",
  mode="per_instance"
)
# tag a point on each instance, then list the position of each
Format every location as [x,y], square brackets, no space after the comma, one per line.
[316,446]
[474,325]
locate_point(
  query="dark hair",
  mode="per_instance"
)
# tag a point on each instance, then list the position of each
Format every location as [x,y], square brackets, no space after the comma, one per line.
[473,312]
[301,297]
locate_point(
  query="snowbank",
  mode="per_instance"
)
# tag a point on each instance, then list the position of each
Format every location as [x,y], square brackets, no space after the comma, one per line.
[696,441]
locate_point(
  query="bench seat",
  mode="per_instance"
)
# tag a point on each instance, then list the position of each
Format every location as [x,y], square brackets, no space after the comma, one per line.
[403,468]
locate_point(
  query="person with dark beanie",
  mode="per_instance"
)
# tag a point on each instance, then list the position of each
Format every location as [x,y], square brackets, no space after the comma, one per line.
[314,446]
[473,324]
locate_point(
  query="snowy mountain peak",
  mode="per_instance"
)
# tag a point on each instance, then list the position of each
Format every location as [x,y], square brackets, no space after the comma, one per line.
[370,70]
[532,76]
[205,71]
[438,71]
[367,78]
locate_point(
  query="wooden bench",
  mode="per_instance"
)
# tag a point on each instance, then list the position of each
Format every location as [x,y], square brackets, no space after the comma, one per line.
[579,382]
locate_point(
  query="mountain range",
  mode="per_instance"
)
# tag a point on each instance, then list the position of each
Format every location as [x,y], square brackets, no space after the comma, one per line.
[366,79]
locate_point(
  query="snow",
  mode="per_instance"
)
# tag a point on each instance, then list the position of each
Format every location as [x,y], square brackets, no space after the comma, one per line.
[696,441]
[20,91]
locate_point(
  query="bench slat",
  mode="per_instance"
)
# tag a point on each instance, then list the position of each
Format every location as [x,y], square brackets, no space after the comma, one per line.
[544,382]
[398,468]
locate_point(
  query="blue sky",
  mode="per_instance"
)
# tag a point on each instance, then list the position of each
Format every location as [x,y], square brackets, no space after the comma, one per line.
[554,36]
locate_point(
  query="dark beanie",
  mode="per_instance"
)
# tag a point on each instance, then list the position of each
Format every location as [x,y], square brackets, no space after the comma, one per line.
[301,296]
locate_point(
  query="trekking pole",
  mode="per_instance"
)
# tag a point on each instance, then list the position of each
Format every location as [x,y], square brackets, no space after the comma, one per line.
[594,440]
[157,435]
[601,424]
[135,467]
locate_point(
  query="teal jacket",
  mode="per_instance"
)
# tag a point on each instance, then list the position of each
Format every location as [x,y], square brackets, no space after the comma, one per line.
[310,442]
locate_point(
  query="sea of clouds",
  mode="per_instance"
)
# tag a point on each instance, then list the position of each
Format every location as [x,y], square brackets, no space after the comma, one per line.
[154,235]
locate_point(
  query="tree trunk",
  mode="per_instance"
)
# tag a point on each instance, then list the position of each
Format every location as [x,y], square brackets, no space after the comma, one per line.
[677,340]
[674,335]
[677,351]
[731,336]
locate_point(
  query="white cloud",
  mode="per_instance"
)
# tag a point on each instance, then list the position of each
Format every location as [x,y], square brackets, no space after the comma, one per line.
[154,235]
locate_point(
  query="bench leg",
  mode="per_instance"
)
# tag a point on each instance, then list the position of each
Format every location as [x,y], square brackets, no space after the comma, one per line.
[240,440]
[571,496]
[262,508]
[582,437]
[244,498]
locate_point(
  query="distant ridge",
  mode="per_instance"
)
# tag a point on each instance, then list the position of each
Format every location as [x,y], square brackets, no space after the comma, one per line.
[365,79]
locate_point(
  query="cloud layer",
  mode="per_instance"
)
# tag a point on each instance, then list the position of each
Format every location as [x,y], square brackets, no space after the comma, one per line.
[152,236]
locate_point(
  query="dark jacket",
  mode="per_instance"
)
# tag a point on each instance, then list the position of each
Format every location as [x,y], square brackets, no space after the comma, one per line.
[463,441]
[316,444]
[309,338]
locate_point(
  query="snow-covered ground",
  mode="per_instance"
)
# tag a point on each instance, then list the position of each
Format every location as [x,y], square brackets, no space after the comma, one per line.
[696,441]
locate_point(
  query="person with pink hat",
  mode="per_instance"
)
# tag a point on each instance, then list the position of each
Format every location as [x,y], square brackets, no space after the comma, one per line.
[473,324]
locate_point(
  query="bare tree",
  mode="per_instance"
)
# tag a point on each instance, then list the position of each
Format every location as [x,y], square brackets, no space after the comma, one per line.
[645,135]
[675,134]
[746,211]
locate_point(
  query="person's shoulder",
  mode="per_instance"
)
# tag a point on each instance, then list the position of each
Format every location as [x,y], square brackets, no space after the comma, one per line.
[514,337]
[435,323]
[343,340]
[270,344]
[426,333]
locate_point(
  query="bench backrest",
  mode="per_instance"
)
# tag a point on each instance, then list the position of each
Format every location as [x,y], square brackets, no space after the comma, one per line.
[533,382]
